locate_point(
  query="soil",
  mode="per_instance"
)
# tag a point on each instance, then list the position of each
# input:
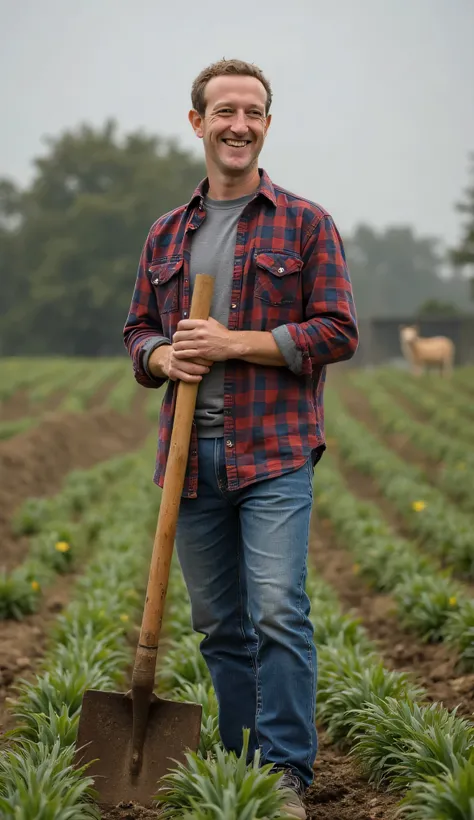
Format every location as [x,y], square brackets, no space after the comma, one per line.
[23,643]
[100,395]
[35,462]
[15,407]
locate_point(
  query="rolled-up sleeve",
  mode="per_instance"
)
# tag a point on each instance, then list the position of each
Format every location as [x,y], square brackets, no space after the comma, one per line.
[329,333]
[143,331]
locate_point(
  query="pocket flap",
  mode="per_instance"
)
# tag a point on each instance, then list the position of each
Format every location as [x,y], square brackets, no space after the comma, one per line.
[279,264]
[162,272]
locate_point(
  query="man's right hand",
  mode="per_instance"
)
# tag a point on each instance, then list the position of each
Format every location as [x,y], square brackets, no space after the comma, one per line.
[163,364]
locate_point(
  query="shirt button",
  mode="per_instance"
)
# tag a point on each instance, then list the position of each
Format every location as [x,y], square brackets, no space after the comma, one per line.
[281,270]
[155,281]
[229,442]
[185,281]
[233,305]
[185,313]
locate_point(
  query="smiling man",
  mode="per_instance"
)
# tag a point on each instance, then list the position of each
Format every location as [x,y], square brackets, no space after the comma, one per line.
[282,310]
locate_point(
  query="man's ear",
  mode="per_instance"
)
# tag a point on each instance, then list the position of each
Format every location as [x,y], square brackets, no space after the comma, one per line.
[196,121]
[268,123]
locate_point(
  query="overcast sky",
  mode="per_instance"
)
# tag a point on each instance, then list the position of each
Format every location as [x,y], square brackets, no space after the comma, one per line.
[373,113]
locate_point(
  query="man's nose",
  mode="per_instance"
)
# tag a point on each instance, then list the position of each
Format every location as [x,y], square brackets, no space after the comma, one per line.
[239,124]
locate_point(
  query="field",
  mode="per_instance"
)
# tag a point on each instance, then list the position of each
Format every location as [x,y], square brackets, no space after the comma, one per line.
[391,582]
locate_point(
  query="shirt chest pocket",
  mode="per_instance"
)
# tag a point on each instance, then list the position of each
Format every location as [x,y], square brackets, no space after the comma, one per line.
[277,278]
[164,277]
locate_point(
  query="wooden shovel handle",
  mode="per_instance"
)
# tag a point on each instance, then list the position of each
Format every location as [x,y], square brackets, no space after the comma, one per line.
[145,661]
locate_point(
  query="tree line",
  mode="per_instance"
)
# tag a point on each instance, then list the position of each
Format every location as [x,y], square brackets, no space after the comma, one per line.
[70,242]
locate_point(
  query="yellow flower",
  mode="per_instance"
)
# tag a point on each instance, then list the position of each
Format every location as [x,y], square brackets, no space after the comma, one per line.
[35,586]
[124,618]
[62,546]
[356,569]
[418,506]
[453,600]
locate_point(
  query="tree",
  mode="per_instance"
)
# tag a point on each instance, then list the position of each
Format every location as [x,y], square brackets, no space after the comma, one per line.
[393,270]
[437,307]
[464,253]
[70,242]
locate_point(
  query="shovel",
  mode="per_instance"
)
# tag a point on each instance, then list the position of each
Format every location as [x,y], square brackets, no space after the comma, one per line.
[131,740]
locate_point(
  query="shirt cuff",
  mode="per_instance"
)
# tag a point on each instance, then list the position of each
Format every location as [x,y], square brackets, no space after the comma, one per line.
[147,349]
[293,357]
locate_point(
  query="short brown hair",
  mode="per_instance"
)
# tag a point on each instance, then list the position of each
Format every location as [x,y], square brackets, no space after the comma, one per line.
[236,67]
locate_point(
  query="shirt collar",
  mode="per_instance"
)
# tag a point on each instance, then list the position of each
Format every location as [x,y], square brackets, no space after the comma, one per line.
[265,189]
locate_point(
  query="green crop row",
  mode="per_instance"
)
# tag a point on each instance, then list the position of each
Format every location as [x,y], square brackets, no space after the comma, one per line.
[455,473]
[428,601]
[22,374]
[59,379]
[88,649]
[62,530]
[440,527]
[123,393]
[464,378]
[394,419]
[449,415]
[13,428]
[99,371]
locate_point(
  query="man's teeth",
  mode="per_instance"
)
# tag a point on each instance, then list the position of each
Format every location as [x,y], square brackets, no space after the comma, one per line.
[236,143]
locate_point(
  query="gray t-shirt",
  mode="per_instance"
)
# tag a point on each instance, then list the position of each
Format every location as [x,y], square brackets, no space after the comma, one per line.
[212,252]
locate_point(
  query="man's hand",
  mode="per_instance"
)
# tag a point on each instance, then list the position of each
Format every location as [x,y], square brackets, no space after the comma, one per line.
[163,363]
[204,339]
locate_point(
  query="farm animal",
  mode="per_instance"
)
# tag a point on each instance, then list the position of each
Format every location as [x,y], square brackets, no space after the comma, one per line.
[420,352]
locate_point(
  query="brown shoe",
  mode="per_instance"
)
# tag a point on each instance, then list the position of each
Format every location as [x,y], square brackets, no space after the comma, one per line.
[291,784]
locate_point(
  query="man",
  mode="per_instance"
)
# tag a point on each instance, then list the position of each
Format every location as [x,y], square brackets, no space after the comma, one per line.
[282,310]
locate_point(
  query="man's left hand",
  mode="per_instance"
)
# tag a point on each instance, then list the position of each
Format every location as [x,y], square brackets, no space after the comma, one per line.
[201,338]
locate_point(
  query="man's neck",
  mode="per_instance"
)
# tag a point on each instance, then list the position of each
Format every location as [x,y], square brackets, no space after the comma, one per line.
[223,187]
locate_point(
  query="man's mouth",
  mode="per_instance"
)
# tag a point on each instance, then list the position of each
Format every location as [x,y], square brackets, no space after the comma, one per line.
[236,143]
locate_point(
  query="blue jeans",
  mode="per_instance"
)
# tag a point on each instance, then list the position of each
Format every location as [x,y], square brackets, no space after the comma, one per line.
[244,556]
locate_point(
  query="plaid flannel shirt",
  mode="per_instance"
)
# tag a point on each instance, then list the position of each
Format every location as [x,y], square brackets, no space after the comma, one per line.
[289,270]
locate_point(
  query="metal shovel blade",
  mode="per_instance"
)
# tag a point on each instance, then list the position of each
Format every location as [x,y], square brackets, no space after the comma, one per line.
[105,737]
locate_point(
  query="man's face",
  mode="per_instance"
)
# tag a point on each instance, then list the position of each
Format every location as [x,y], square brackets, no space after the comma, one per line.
[234,126]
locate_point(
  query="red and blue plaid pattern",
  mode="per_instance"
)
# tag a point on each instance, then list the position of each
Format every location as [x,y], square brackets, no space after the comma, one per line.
[290,269]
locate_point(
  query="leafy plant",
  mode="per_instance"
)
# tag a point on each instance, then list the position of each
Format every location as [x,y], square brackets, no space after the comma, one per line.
[18,596]
[399,741]
[349,680]
[183,663]
[425,603]
[205,695]
[41,783]
[223,786]
[447,797]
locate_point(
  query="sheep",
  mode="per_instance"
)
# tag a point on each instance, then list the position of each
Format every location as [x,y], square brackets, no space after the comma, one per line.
[421,352]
